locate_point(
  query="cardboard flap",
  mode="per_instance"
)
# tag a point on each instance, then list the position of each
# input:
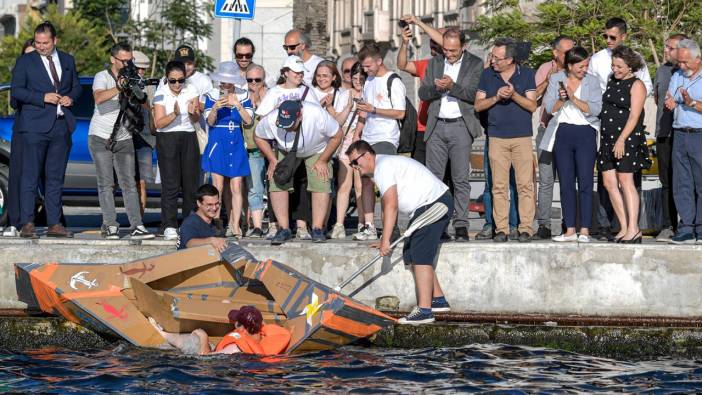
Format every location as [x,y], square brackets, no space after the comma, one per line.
[151,269]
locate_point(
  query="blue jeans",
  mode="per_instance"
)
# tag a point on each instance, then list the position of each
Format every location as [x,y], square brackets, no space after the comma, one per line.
[254,181]
[487,194]
[687,181]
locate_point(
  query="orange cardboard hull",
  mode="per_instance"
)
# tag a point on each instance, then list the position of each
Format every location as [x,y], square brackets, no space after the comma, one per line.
[195,288]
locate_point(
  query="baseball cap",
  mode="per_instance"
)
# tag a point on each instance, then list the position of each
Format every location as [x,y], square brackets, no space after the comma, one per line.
[294,63]
[184,53]
[288,112]
[249,317]
[141,60]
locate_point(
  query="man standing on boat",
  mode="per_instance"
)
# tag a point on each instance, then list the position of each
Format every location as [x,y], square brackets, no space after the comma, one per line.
[409,187]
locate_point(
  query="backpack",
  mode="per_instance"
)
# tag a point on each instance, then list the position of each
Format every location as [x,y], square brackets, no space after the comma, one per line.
[408,124]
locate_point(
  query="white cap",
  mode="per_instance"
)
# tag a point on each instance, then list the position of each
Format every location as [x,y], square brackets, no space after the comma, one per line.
[294,63]
[141,60]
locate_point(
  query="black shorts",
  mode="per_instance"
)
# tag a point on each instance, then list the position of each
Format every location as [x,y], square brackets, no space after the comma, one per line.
[423,246]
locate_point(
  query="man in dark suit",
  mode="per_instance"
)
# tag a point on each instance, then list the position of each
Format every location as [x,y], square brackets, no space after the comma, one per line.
[449,86]
[44,85]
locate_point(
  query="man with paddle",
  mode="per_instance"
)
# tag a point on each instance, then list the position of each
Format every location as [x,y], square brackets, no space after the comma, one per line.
[409,187]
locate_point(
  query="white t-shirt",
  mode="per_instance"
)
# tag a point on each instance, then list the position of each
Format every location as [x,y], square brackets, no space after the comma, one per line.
[416,185]
[375,92]
[601,67]
[278,94]
[164,97]
[201,82]
[340,101]
[310,66]
[105,113]
[318,127]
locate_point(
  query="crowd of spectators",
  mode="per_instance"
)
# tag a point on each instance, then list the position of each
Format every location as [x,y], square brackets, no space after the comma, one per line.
[232,131]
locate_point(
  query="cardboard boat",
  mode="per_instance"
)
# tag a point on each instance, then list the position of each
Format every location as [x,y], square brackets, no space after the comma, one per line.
[196,288]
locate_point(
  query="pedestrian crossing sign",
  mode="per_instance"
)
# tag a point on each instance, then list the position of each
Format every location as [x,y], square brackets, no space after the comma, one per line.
[238,9]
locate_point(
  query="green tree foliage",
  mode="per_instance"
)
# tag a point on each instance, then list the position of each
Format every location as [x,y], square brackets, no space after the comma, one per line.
[111,14]
[77,35]
[650,22]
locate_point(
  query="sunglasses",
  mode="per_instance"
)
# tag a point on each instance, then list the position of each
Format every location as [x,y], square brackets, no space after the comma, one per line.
[610,38]
[354,163]
[251,80]
[244,55]
[173,80]
[291,47]
[347,71]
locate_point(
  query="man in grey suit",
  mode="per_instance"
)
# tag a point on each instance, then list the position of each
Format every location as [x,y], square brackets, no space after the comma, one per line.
[449,86]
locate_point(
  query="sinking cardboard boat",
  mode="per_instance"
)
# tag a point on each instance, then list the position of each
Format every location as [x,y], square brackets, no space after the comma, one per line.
[196,288]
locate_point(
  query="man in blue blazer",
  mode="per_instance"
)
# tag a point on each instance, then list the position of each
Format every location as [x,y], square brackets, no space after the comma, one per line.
[44,85]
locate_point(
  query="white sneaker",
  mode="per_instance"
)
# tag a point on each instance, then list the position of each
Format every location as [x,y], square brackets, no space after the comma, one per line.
[272,230]
[368,233]
[170,234]
[10,231]
[303,234]
[583,238]
[564,238]
[338,232]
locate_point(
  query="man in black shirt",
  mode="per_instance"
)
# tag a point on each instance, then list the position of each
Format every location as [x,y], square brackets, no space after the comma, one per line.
[199,228]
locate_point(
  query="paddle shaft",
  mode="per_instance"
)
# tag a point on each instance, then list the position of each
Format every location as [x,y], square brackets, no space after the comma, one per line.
[366,266]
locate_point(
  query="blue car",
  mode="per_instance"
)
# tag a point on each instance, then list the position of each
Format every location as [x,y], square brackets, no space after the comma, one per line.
[80,187]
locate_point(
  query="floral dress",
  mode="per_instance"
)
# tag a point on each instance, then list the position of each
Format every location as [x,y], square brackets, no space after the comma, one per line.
[616,106]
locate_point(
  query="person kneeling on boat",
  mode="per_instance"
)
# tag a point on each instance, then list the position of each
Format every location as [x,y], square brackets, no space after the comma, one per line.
[409,187]
[199,228]
[250,336]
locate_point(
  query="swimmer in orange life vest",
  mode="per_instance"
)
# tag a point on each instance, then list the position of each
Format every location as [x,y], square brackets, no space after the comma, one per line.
[249,336]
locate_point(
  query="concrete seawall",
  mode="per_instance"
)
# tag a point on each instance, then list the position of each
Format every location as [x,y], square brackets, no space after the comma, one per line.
[601,279]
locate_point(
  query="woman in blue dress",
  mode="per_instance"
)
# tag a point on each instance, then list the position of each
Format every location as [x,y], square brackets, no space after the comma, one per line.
[225,156]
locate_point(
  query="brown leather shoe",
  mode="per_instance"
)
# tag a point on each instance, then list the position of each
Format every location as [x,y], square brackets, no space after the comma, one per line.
[28,231]
[58,231]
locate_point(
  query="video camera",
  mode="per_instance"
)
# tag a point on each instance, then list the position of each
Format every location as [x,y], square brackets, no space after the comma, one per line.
[134,84]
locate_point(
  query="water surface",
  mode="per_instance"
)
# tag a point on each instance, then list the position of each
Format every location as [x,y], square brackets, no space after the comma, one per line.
[491,367]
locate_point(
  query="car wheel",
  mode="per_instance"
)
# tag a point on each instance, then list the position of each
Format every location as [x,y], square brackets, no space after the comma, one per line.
[4,188]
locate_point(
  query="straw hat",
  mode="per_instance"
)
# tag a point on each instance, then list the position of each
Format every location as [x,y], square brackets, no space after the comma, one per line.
[228,72]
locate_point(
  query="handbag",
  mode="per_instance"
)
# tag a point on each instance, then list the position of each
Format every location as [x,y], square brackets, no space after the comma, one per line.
[285,168]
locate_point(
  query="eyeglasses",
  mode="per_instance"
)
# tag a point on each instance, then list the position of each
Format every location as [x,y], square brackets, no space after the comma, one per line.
[669,48]
[244,55]
[494,58]
[173,80]
[291,47]
[122,60]
[354,163]
[252,80]
[347,71]
[609,37]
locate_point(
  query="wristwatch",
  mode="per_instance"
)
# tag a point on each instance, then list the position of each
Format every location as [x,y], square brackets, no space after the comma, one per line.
[693,103]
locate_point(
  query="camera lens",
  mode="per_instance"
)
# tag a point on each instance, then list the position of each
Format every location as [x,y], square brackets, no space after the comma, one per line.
[402,24]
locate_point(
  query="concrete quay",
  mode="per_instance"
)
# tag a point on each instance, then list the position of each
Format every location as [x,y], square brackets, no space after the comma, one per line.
[596,279]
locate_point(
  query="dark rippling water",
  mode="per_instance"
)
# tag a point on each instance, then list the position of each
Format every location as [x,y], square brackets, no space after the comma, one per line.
[497,368]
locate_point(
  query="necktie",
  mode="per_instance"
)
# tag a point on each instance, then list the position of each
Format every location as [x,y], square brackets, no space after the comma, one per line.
[54,74]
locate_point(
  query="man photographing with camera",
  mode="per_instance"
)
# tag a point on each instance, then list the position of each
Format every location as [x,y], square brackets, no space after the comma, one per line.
[117,156]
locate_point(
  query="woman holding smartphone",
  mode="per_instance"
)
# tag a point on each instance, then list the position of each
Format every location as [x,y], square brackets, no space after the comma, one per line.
[225,155]
[176,109]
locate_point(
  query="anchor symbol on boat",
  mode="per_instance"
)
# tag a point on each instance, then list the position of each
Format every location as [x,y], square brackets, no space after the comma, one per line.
[78,278]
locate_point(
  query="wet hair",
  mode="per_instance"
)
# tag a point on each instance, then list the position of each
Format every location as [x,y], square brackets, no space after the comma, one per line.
[630,57]
[370,50]
[619,23]
[575,55]
[172,66]
[690,45]
[360,146]
[206,190]
[46,27]
[557,41]
[244,42]
[453,32]
[247,316]
[27,44]
[336,82]
[121,46]
[510,46]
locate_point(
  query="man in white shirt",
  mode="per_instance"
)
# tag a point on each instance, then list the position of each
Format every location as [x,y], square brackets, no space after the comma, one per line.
[319,137]
[601,62]
[299,43]
[449,86]
[600,66]
[381,109]
[410,188]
